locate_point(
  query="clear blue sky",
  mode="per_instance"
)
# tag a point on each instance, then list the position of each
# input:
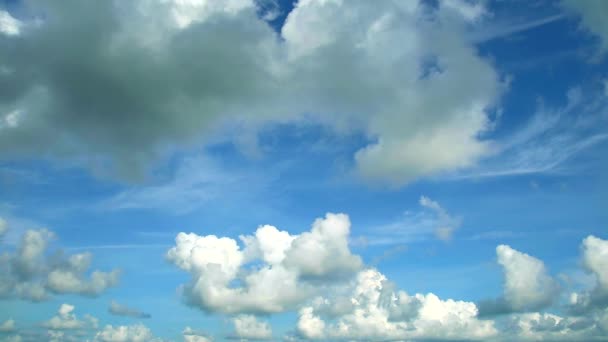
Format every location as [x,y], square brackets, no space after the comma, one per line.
[318,170]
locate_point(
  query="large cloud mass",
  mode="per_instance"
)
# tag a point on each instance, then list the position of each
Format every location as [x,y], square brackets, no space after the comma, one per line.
[286,270]
[113,83]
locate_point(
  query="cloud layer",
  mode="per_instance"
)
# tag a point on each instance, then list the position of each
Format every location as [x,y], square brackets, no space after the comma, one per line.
[337,297]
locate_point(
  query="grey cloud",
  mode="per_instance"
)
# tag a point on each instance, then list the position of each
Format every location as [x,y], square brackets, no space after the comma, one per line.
[30,273]
[123,310]
[114,84]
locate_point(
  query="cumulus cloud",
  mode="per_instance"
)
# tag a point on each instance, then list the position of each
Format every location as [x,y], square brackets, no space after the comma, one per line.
[32,273]
[248,327]
[595,260]
[288,266]
[191,335]
[378,312]
[9,26]
[140,77]
[7,326]
[125,333]
[527,284]
[446,224]
[67,320]
[123,310]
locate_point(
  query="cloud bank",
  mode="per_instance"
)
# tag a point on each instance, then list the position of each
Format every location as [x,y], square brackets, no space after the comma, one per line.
[135,79]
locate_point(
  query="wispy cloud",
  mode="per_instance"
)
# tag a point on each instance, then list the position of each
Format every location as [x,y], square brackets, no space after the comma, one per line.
[551,138]
[197,182]
[497,30]
[432,221]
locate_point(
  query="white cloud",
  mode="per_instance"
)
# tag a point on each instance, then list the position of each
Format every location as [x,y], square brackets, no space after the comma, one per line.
[125,333]
[595,256]
[67,320]
[190,335]
[7,326]
[280,282]
[340,56]
[379,313]
[8,24]
[248,327]
[527,284]
[30,273]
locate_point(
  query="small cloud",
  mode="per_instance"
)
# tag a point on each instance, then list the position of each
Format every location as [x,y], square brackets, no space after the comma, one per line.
[7,326]
[123,310]
[446,224]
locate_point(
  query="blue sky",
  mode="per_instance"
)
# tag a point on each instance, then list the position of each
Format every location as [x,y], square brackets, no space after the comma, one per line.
[317,170]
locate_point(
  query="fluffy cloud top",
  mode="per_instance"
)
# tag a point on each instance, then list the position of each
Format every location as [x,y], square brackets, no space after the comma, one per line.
[125,333]
[286,270]
[67,320]
[527,285]
[7,326]
[137,77]
[595,260]
[248,327]
[378,312]
[31,273]
[190,335]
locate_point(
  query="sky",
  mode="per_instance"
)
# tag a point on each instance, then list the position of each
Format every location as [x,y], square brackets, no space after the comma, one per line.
[312,170]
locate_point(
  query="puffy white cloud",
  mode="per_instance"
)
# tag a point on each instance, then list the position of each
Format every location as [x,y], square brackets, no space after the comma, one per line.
[123,310]
[8,24]
[324,250]
[67,320]
[125,333]
[190,335]
[31,273]
[527,284]
[7,326]
[248,327]
[290,266]
[592,14]
[379,313]
[595,256]
[341,56]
